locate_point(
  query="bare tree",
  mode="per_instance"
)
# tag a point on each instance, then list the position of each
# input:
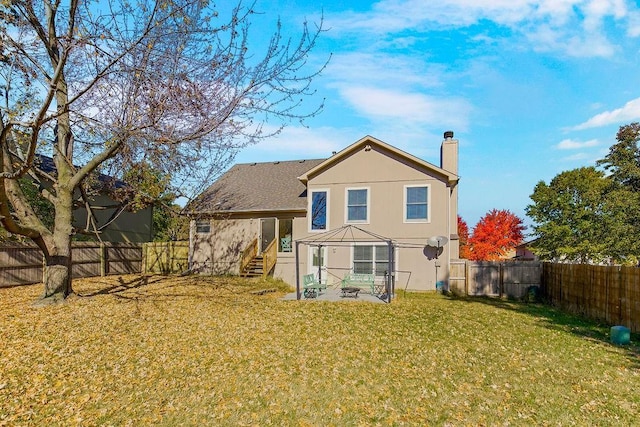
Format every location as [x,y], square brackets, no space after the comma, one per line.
[102,85]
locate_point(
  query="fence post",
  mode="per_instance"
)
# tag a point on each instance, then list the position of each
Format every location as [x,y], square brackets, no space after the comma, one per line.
[143,267]
[103,260]
[467,272]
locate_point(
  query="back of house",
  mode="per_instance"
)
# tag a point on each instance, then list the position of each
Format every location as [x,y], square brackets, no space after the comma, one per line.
[370,208]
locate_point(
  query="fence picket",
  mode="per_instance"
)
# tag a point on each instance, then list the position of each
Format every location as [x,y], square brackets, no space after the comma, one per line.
[22,264]
[606,293]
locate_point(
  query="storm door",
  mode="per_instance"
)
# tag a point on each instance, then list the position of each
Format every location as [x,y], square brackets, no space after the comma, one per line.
[267,232]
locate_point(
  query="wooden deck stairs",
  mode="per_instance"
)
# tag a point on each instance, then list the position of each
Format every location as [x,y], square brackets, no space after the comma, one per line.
[254,268]
[253,264]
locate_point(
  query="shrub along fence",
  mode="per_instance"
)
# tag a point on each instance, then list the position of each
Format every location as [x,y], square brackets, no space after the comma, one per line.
[607,293]
[22,264]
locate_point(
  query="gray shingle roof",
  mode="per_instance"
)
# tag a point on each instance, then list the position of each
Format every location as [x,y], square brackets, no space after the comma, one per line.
[268,186]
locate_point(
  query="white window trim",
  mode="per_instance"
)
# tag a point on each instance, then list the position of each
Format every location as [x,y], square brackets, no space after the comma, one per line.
[404,204]
[309,212]
[346,206]
[395,254]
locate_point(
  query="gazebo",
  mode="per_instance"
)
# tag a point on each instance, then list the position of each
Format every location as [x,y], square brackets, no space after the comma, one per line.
[346,236]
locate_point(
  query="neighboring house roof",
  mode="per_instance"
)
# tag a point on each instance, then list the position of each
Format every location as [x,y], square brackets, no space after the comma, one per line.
[253,187]
[369,140]
[46,164]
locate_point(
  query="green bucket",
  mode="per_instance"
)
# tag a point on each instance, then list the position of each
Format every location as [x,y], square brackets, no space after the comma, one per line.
[620,335]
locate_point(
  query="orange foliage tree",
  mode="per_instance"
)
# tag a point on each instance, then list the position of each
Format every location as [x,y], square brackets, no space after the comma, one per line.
[463,235]
[494,235]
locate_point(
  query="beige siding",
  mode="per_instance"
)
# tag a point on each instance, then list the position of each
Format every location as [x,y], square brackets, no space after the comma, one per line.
[218,252]
[386,179]
[386,176]
[385,172]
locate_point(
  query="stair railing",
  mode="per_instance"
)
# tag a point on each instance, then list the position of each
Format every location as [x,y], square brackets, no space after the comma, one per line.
[269,258]
[248,254]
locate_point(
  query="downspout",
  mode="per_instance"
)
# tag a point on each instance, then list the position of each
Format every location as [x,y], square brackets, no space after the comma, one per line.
[297,271]
[392,268]
[449,245]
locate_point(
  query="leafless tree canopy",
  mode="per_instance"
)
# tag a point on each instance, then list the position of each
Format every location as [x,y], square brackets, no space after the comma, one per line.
[101,85]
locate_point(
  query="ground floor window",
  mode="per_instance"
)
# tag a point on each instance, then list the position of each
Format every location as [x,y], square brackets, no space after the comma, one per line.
[203,226]
[371,259]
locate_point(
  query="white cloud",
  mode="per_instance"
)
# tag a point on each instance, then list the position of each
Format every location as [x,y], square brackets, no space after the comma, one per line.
[583,45]
[633,26]
[408,107]
[576,157]
[573,27]
[389,91]
[300,143]
[389,16]
[630,111]
[381,69]
[570,144]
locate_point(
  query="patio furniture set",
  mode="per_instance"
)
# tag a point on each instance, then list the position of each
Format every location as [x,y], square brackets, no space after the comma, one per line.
[351,285]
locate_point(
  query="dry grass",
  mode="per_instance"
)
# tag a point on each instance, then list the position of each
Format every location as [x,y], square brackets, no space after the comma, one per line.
[207,351]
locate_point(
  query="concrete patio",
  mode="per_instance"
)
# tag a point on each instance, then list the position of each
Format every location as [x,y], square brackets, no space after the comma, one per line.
[335,294]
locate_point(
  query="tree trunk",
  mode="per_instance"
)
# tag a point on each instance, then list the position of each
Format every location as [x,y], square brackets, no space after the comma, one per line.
[57,279]
[57,250]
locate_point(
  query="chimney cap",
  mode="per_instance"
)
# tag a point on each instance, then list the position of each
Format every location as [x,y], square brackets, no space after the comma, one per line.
[448,134]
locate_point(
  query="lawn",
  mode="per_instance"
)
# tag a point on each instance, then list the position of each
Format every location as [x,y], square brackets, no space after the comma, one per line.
[209,351]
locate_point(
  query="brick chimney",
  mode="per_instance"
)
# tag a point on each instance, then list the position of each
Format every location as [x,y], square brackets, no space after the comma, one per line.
[449,153]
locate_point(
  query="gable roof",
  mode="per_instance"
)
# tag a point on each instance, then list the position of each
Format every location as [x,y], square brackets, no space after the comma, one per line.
[255,187]
[281,186]
[369,140]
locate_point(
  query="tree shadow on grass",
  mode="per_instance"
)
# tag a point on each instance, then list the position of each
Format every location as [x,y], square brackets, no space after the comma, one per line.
[556,319]
[162,288]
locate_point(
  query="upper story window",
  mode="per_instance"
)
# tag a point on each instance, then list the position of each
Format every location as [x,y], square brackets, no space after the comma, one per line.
[416,207]
[357,205]
[203,226]
[318,210]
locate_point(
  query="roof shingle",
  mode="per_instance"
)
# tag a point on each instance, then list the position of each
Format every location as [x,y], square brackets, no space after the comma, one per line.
[247,187]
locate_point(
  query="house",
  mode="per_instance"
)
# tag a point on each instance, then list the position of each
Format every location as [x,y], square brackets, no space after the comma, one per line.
[108,216]
[523,251]
[370,208]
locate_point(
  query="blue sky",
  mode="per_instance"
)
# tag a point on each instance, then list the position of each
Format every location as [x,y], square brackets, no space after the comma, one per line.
[530,88]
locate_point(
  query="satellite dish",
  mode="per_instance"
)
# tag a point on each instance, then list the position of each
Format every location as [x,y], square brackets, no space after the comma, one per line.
[437,241]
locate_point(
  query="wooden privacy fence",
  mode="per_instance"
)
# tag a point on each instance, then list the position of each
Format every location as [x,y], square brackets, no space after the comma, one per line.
[608,293]
[22,264]
[509,279]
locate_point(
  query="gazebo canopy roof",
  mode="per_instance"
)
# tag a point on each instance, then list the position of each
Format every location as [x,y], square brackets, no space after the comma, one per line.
[343,236]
